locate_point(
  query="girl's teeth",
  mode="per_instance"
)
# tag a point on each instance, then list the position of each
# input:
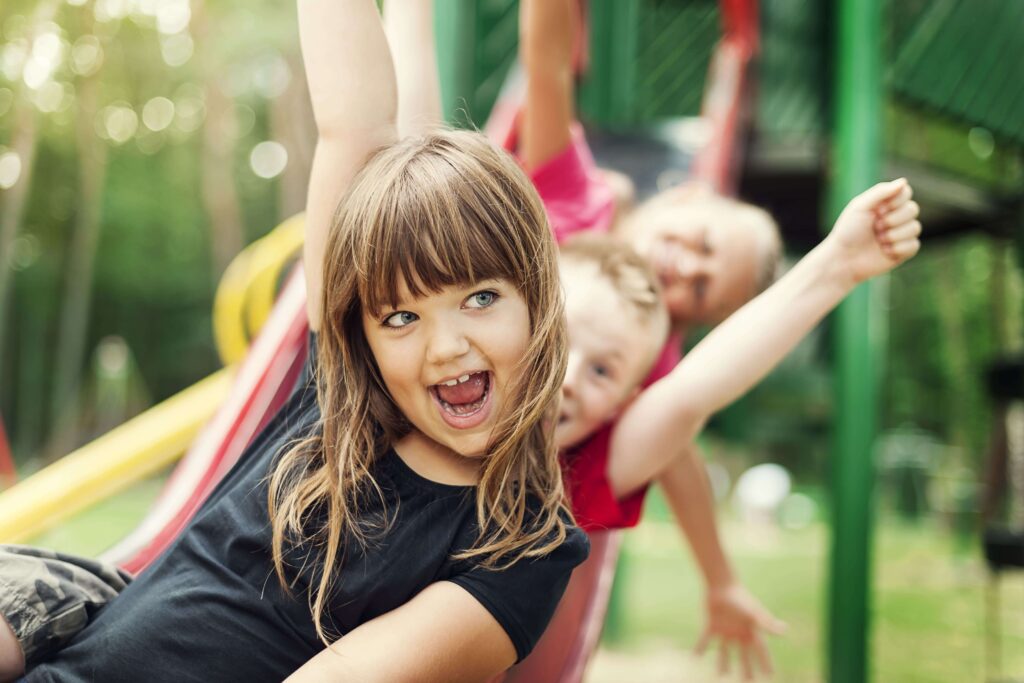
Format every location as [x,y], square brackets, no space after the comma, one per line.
[453,382]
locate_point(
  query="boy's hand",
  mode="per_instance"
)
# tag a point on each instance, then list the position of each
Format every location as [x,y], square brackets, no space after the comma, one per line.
[736,619]
[878,230]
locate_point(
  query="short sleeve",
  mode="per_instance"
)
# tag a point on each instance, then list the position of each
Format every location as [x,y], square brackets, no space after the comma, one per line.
[576,197]
[523,597]
[594,504]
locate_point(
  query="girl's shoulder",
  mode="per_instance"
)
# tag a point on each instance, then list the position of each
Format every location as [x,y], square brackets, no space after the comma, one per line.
[522,597]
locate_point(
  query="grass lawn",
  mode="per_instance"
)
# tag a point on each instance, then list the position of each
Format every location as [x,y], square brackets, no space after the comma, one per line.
[929,619]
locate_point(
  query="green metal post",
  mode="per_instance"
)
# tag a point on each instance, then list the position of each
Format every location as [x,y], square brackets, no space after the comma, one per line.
[856,159]
[455,27]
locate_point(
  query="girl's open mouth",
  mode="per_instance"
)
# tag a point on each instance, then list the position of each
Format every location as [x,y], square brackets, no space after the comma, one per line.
[464,402]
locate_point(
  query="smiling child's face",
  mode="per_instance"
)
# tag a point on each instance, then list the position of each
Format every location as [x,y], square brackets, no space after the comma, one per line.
[448,359]
[706,261]
[611,348]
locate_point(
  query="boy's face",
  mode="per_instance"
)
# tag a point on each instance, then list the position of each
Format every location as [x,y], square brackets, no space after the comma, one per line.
[706,263]
[610,352]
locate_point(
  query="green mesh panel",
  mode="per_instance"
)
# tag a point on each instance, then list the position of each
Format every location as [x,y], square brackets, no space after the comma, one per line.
[649,59]
[791,69]
[964,59]
[477,42]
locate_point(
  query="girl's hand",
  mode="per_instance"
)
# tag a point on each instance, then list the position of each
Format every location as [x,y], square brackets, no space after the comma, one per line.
[737,619]
[877,231]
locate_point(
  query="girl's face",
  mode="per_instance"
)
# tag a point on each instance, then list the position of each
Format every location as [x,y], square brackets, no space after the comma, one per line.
[448,359]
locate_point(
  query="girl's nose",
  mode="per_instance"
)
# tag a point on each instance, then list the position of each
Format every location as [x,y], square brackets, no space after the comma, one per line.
[447,343]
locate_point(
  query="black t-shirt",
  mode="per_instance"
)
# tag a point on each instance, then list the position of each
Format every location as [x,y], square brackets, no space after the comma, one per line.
[211,608]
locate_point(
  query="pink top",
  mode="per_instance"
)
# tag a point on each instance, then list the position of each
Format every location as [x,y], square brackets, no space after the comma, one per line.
[576,197]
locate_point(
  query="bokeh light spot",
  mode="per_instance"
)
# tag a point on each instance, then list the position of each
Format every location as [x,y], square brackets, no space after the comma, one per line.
[10,169]
[268,159]
[177,49]
[86,55]
[158,113]
[120,122]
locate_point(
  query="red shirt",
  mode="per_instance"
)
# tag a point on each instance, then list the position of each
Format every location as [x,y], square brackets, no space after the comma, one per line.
[585,466]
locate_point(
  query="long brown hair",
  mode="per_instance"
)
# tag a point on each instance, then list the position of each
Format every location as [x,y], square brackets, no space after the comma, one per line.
[444,209]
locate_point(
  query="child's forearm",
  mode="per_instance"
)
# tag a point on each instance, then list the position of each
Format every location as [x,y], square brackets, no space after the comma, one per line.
[410,31]
[739,352]
[545,49]
[348,66]
[669,414]
[688,492]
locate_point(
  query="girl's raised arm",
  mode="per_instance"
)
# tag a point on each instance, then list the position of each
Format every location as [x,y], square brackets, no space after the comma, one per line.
[443,635]
[877,231]
[352,87]
[410,29]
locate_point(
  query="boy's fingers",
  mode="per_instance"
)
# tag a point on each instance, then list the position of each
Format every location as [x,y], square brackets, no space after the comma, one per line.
[903,232]
[902,197]
[747,662]
[874,196]
[774,626]
[905,249]
[702,643]
[902,214]
[763,657]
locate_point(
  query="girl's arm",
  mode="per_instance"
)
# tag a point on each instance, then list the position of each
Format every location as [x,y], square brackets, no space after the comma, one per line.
[545,49]
[352,88]
[734,616]
[876,232]
[410,30]
[443,635]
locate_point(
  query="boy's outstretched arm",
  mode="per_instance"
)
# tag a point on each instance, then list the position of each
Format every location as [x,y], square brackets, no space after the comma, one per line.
[734,617]
[410,30]
[546,34]
[877,231]
[352,88]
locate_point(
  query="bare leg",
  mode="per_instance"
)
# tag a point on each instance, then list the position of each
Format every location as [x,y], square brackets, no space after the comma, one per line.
[12,659]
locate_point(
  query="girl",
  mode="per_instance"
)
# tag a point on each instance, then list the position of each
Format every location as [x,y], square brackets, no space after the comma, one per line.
[405,506]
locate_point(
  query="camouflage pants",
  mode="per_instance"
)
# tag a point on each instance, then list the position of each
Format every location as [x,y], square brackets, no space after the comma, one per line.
[48,597]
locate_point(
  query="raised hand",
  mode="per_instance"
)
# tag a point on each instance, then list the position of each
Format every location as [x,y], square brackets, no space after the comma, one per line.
[736,619]
[878,230]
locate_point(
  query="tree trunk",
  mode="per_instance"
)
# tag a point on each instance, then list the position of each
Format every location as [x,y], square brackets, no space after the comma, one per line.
[14,200]
[219,193]
[78,286]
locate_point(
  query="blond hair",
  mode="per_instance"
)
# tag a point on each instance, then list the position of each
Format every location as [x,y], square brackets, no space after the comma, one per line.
[444,209]
[759,222]
[629,275]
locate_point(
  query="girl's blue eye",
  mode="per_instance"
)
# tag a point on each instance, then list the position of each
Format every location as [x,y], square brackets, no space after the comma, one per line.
[602,371]
[400,319]
[482,299]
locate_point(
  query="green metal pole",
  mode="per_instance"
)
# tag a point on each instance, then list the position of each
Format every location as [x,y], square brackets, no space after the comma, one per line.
[856,159]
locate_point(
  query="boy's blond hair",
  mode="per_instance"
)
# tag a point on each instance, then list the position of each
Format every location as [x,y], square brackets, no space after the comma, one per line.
[630,276]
